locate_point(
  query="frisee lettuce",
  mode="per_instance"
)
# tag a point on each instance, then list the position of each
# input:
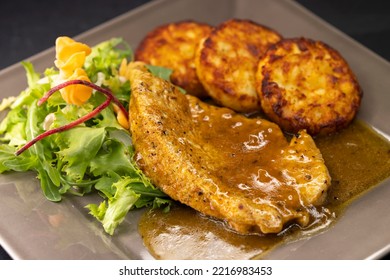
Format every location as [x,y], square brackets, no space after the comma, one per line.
[96,156]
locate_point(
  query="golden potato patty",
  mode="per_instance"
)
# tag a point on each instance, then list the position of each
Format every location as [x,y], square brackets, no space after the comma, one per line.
[306,84]
[173,46]
[226,62]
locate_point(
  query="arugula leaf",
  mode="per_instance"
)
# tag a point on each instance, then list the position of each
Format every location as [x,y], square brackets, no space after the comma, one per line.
[13,128]
[129,193]
[106,57]
[8,161]
[119,205]
[159,71]
[82,145]
[105,184]
[6,103]
[32,76]
[113,157]
[34,90]
[134,190]
[163,73]
[48,175]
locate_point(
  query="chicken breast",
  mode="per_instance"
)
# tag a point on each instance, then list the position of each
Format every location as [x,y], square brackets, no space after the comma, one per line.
[306,84]
[223,164]
[226,62]
[173,46]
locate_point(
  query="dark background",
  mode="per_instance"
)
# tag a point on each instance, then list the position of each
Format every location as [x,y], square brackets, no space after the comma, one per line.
[29,27]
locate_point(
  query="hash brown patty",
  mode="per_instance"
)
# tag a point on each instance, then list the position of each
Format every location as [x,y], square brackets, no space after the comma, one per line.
[173,46]
[226,62]
[306,84]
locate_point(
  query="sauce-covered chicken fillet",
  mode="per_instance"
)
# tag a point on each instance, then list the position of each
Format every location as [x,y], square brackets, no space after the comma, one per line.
[221,163]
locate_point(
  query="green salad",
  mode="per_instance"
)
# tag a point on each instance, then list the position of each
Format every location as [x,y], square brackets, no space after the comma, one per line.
[94,156]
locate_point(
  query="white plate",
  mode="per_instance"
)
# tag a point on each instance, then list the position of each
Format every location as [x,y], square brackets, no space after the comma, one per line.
[33,228]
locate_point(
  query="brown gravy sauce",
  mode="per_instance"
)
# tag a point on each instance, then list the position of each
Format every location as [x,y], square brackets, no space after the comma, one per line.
[358,158]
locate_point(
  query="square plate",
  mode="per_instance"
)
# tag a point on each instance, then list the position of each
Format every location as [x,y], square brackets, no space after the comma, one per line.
[33,228]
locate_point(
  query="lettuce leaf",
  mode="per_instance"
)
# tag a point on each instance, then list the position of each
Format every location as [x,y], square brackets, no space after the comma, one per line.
[96,156]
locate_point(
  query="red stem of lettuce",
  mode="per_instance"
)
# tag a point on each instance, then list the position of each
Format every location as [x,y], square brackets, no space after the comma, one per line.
[85,83]
[97,110]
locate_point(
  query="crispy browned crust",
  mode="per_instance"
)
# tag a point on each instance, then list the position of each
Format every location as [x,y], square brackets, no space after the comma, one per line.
[306,84]
[226,62]
[173,46]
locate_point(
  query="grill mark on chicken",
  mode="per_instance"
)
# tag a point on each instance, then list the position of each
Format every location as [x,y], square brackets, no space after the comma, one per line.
[240,170]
